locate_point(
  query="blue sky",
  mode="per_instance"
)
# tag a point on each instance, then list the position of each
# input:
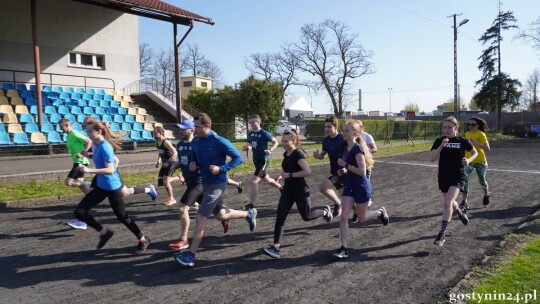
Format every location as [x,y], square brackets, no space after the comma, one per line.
[412,42]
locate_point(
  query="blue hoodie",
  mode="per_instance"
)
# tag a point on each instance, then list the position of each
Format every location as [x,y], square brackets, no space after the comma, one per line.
[213,150]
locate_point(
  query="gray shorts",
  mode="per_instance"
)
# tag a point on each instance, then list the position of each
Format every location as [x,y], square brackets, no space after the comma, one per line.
[212,201]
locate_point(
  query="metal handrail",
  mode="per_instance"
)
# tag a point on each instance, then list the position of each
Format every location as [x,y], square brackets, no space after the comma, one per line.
[51,83]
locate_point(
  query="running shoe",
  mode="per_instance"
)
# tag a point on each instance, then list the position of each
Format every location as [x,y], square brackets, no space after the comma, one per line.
[75,223]
[439,241]
[485,201]
[179,245]
[463,206]
[170,201]
[354,219]
[328,216]
[240,187]
[252,219]
[463,217]
[187,259]
[226,225]
[337,210]
[152,193]
[103,239]
[271,251]
[342,253]
[248,206]
[369,203]
[143,245]
[384,216]
[194,207]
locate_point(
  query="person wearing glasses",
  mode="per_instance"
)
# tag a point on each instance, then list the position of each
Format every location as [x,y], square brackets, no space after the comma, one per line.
[450,150]
[477,136]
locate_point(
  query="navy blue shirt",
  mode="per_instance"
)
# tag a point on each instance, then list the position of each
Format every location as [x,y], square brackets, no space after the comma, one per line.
[185,156]
[259,142]
[334,148]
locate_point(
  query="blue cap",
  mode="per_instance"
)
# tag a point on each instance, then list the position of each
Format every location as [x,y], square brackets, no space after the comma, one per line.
[186,124]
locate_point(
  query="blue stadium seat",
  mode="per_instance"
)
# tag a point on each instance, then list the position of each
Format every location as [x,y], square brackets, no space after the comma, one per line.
[76,96]
[70,117]
[20,139]
[80,90]
[122,111]
[118,118]
[45,102]
[108,97]
[87,96]
[70,103]
[129,118]
[93,103]
[52,95]
[77,127]
[80,118]
[26,118]
[32,88]
[65,95]
[126,127]
[91,91]
[54,138]
[30,101]
[21,87]
[26,94]
[96,116]
[112,111]
[57,102]
[75,110]
[46,89]
[101,91]
[135,135]
[98,97]
[106,118]
[115,127]
[4,139]
[137,126]
[69,90]
[82,103]
[63,110]
[47,127]
[100,111]
[104,103]
[49,110]
[31,127]
[2,128]
[147,135]
[8,86]
[55,118]
[115,104]
[33,109]
[88,111]
[58,89]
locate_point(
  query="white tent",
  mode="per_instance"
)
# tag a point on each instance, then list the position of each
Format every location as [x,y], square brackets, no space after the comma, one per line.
[297,105]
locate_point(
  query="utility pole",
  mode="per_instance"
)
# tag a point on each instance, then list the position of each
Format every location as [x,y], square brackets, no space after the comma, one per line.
[456,97]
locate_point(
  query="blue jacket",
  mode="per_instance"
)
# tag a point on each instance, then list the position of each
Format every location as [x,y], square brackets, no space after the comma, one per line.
[213,150]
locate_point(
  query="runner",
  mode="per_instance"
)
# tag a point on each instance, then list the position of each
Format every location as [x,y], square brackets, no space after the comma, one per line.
[258,140]
[333,145]
[210,157]
[450,150]
[295,190]
[77,145]
[356,186]
[108,185]
[167,159]
[477,136]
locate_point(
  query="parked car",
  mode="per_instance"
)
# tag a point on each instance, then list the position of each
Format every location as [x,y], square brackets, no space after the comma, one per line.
[284,125]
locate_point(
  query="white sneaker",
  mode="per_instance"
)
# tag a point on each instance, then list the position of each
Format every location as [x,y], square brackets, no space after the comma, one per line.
[369,203]
[194,207]
[75,223]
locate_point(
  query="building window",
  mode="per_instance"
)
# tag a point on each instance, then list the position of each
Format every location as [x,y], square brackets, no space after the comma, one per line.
[204,84]
[188,84]
[89,61]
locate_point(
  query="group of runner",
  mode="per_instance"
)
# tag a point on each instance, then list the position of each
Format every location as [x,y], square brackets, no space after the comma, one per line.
[201,155]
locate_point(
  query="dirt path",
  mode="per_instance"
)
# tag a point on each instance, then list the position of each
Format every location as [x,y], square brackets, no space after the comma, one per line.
[45,261]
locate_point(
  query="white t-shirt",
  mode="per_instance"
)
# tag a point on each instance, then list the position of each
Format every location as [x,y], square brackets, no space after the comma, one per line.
[368,138]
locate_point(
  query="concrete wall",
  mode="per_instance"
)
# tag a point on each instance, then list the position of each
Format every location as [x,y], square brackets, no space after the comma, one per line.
[65,26]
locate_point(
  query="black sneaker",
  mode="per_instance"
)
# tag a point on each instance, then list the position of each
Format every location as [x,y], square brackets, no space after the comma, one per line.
[384,216]
[328,216]
[337,210]
[240,187]
[342,253]
[271,251]
[485,201]
[354,219]
[103,239]
[439,241]
[248,206]
[141,247]
[463,217]
[463,206]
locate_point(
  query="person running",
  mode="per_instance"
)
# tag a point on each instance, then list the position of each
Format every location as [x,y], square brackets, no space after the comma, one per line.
[126,191]
[77,145]
[258,140]
[210,157]
[477,136]
[295,190]
[333,145]
[370,143]
[450,150]
[167,159]
[356,186]
[108,185]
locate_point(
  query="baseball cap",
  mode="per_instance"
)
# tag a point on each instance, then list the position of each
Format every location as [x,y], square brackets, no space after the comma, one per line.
[186,124]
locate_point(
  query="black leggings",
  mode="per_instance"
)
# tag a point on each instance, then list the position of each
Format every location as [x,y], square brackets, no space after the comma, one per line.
[116,200]
[285,204]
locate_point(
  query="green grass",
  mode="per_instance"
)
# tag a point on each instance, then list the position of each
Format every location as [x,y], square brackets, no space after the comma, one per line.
[519,275]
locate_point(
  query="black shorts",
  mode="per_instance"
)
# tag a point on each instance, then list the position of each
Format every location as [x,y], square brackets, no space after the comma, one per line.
[166,171]
[446,183]
[260,167]
[93,184]
[75,173]
[194,193]
[337,181]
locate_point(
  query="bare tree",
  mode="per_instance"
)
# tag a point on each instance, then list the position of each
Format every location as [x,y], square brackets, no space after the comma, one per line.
[530,92]
[194,60]
[261,64]
[211,70]
[146,55]
[532,35]
[327,51]
[164,71]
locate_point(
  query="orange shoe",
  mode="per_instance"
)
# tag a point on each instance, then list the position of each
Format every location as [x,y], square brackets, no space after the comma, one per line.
[170,201]
[179,245]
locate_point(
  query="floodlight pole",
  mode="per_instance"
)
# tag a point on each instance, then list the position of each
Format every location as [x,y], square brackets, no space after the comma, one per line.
[177,69]
[456,97]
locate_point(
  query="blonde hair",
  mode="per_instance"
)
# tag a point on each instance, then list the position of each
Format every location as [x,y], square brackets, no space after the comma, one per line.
[452,119]
[368,158]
